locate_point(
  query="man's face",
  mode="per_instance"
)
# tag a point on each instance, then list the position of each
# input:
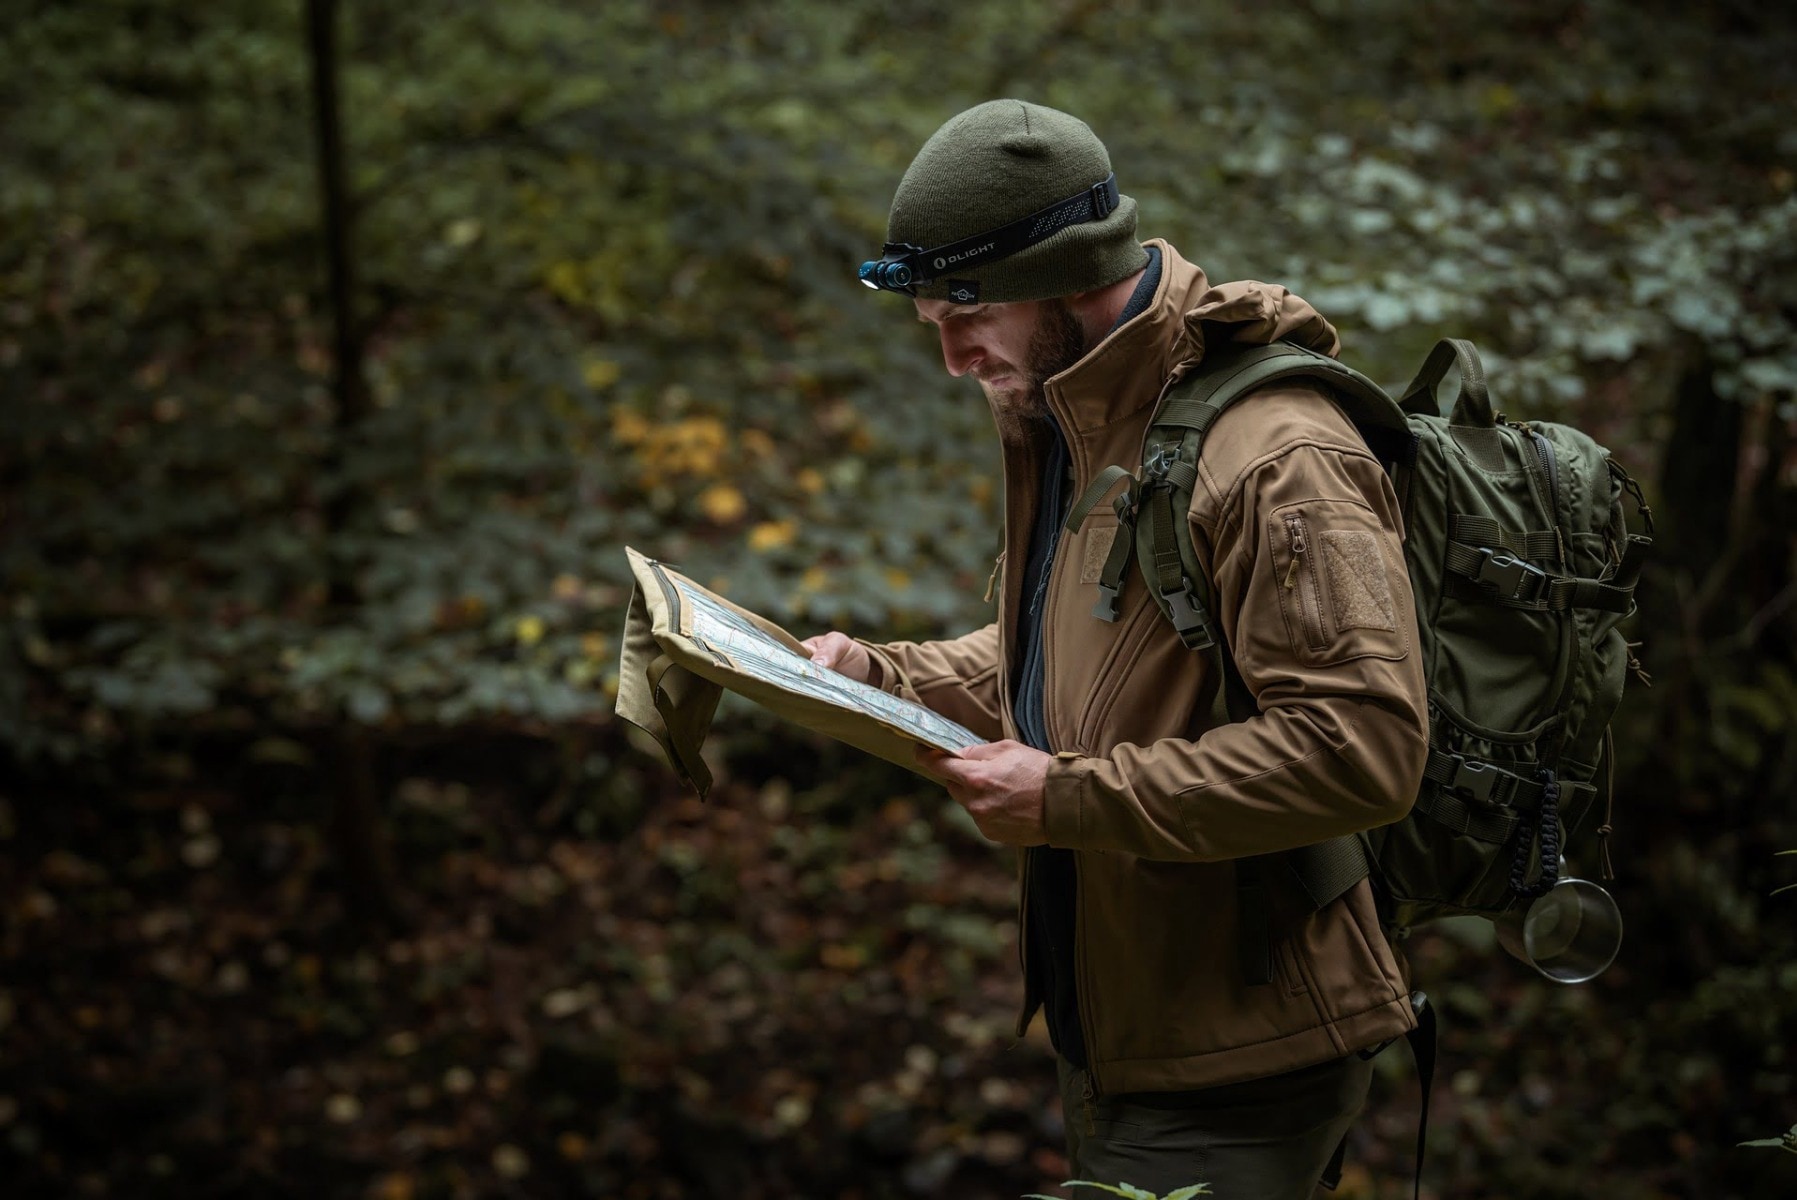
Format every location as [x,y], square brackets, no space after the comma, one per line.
[1011,349]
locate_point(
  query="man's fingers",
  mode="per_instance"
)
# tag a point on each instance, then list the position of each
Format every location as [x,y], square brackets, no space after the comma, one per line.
[824,649]
[935,761]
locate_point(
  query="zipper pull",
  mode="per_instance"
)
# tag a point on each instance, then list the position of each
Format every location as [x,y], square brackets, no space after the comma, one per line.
[1295,532]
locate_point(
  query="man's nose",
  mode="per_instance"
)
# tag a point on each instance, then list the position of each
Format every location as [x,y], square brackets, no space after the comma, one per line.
[959,354]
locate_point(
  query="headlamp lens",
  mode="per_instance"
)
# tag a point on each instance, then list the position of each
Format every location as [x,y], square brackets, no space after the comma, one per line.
[887,274]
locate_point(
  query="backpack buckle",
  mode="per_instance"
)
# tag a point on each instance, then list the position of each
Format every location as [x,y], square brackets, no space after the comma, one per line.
[1507,575]
[1477,780]
[1160,461]
[1108,595]
[1188,618]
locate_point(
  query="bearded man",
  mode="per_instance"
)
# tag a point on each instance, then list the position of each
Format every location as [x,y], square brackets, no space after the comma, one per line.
[1149,828]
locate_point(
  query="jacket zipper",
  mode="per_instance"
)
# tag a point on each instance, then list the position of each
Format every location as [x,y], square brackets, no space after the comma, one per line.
[1294,536]
[1309,608]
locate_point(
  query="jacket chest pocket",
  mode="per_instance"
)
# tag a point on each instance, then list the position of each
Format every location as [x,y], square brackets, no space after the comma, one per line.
[1340,578]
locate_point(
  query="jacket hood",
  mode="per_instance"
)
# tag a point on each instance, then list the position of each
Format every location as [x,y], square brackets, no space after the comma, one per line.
[1248,312]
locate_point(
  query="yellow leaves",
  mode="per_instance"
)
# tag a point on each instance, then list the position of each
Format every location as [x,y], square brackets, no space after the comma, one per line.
[529,630]
[810,481]
[695,446]
[757,443]
[815,579]
[601,373]
[772,535]
[595,646]
[722,504]
[628,427]
[897,578]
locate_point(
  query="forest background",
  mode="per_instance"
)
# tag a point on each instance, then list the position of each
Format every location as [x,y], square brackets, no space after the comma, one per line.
[324,869]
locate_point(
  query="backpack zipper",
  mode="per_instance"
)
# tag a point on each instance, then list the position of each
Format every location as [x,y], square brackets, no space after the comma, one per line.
[1546,450]
[1550,472]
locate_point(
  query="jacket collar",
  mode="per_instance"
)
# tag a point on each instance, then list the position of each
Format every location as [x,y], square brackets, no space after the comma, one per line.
[1127,369]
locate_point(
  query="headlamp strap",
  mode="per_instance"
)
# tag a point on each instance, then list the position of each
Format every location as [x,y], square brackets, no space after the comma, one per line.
[1093,204]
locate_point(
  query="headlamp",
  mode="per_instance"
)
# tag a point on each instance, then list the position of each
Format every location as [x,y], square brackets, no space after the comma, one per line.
[902,266]
[893,272]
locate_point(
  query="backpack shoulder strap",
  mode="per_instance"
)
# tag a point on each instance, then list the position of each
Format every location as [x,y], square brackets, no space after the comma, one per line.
[1163,490]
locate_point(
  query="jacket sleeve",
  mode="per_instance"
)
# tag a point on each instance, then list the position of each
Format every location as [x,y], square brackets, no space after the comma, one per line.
[957,678]
[1312,595]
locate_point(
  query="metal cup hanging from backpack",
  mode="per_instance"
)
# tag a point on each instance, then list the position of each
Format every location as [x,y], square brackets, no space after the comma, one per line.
[1570,934]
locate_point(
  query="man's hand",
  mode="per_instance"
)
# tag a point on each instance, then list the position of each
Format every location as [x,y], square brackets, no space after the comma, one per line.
[1000,786]
[842,654]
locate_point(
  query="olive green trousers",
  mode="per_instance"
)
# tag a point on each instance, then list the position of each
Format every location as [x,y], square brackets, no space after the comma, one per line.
[1263,1139]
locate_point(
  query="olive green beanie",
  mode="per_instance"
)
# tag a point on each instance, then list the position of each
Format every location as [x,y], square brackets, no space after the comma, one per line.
[999,162]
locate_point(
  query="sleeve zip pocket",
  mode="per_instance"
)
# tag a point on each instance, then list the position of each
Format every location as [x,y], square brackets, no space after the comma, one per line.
[1301,581]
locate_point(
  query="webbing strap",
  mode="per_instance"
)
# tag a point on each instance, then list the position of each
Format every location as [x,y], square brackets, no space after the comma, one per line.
[1422,1041]
[1483,531]
[1326,870]
[1634,556]
[1471,791]
[1157,507]
[1088,499]
[1169,580]
[1459,817]
[1186,413]
[1183,475]
[1422,1038]
[1513,582]
[1110,579]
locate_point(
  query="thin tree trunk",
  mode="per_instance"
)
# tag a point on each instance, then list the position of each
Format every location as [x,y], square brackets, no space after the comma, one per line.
[356,829]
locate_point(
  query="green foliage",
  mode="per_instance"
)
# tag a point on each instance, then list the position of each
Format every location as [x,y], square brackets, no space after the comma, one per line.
[605,276]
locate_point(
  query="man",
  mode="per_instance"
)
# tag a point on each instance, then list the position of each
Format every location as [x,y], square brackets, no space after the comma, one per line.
[1143,818]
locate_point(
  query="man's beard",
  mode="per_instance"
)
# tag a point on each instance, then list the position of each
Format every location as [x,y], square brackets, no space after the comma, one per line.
[1056,343]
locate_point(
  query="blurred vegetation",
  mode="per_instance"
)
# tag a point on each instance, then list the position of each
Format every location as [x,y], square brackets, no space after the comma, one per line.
[604,294]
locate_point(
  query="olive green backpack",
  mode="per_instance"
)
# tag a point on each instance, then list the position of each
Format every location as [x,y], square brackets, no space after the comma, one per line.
[1522,566]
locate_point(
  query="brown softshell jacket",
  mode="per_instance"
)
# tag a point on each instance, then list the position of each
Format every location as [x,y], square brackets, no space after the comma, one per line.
[1301,534]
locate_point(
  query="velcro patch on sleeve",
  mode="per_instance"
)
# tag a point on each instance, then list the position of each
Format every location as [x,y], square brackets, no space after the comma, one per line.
[1098,548]
[1359,590]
